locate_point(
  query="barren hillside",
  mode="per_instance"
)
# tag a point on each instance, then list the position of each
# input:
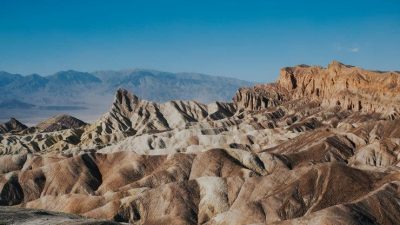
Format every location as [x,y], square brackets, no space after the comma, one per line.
[319,146]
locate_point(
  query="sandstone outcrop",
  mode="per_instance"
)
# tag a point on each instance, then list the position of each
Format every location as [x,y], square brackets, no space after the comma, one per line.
[341,85]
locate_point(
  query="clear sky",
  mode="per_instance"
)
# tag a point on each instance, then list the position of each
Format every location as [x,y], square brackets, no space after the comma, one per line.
[249,39]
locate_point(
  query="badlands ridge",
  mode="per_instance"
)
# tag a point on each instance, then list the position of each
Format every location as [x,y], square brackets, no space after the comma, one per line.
[319,146]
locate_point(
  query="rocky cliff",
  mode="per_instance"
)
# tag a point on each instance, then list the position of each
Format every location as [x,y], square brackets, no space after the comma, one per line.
[340,85]
[346,86]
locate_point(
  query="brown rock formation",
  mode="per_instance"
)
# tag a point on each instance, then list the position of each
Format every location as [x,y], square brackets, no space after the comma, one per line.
[341,85]
[13,125]
[59,122]
[347,86]
[260,97]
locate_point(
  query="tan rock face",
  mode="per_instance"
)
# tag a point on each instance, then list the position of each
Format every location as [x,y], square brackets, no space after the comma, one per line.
[260,97]
[346,86]
[283,153]
[341,85]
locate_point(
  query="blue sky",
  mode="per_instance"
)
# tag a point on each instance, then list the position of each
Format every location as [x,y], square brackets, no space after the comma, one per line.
[249,40]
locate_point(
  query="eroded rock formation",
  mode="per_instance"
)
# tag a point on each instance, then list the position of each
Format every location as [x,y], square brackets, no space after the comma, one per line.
[319,146]
[12,126]
[341,85]
[59,122]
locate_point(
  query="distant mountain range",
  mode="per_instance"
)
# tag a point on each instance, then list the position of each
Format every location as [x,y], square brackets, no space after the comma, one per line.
[16,104]
[74,87]
[74,90]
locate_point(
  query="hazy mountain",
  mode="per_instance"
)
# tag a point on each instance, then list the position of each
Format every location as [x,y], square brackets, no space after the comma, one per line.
[73,90]
[20,105]
[164,86]
[15,104]
[64,87]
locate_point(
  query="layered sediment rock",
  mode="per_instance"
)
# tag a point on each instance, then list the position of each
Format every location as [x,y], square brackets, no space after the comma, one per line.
[260,97]
[346,86]
[341,85]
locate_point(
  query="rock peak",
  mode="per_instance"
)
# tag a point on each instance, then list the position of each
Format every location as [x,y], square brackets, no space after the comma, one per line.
[12,119]
[59,122]
[13,125]
[125,98]
[336,65]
